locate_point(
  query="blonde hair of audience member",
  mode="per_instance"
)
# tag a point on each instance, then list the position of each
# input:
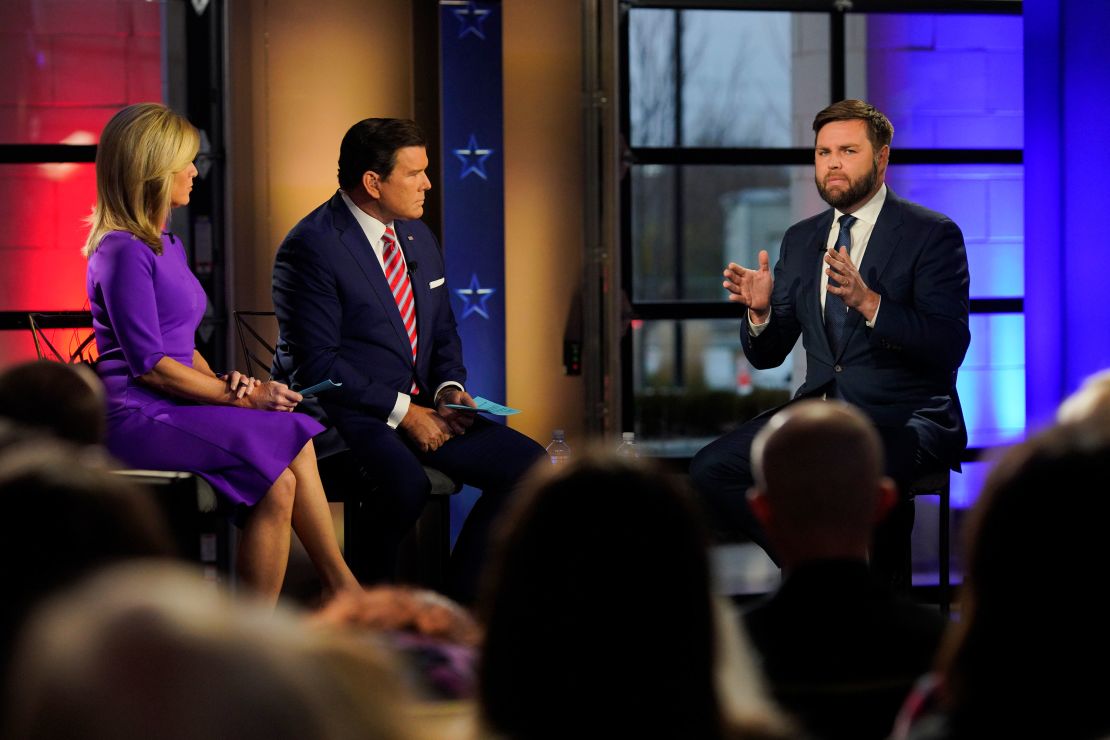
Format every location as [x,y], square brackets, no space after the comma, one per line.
[145,651]
[140,151]
[599,615]
[1092,399]
[818,499]
[1028,656]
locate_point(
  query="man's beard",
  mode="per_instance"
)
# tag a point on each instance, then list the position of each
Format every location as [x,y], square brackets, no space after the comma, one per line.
[855,193]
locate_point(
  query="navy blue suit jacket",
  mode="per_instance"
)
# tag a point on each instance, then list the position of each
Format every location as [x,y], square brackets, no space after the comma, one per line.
[902,372]
[338,319]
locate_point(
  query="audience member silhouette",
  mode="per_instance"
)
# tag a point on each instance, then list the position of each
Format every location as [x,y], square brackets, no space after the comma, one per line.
[154,651]
[598,614]
[66,401]
[840,649]
[1028,656]
[65,516]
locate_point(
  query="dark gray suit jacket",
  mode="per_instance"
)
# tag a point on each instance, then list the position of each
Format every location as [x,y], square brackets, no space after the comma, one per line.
[903,371]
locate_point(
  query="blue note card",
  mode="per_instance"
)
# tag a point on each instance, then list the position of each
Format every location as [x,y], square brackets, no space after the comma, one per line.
[312,390]
[485,406]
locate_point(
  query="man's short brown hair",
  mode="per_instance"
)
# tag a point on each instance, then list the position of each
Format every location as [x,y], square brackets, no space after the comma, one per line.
[879,128]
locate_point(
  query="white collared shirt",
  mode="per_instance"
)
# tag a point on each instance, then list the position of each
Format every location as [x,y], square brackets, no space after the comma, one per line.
[866,216]
[374,230]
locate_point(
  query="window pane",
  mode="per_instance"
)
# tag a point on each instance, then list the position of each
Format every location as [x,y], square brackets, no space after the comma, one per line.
[987,203]
[43,207]
[651,75]
[750,79]
[946,81]
[728,214]
[692,383]
[69,65]
[991,382]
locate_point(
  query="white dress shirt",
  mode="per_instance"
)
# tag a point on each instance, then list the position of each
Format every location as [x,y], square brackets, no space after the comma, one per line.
[375,234]
[866,216]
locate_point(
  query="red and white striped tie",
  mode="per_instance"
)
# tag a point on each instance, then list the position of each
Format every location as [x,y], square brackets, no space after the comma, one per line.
[398,278]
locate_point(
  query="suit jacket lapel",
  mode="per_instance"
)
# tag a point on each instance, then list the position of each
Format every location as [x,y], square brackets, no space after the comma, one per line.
[353,238]
[812,290]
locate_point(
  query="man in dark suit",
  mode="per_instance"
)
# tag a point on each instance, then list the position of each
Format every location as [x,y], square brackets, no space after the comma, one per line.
[840,650]
[877,287]
[361,299]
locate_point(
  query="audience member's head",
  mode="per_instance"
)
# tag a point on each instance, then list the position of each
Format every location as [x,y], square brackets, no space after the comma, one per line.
[1091,400]
[434,638]
[65,515]
[819,484]
[598,611]
[153,650]
[1027,657]
[66,401]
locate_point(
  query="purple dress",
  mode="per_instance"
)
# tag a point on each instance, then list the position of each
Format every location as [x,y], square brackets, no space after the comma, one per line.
[146,307]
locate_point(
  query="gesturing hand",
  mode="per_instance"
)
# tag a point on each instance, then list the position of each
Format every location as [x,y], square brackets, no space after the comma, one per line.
[751,287]
[846,282]
[459,421]
[425,427]
[273,396]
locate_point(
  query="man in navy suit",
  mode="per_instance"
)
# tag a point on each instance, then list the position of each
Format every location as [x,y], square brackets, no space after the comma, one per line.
[877,287]
[361,299]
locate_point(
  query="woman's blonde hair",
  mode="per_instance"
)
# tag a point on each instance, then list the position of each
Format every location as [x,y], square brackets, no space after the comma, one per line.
[140,151]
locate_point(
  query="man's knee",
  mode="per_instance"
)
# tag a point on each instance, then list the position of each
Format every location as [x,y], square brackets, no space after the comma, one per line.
[711,467]
[526,453]
[701,469]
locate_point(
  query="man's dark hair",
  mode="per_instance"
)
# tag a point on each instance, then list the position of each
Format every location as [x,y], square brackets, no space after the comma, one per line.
[879,128]
[371,146]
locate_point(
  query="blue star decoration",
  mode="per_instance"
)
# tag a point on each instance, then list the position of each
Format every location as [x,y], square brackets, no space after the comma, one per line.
[473,158]
[471,18]
[474,298]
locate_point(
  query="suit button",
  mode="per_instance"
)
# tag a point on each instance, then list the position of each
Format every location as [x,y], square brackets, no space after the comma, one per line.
[838,368]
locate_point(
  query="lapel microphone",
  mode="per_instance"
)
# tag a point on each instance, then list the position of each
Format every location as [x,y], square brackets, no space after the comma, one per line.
[412,267]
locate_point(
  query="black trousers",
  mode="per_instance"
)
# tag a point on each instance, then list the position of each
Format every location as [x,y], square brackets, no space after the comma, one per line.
[722,474]
[490,457]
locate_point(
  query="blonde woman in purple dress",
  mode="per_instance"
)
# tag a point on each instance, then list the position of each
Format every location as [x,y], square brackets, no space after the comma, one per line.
[167,409]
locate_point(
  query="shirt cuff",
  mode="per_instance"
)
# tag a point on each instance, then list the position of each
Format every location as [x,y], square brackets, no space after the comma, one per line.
[399,410]
[445,384]
[871,324]
[756,329]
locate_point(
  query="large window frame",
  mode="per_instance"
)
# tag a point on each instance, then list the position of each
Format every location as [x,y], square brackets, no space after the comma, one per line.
[679,310]
[193,80]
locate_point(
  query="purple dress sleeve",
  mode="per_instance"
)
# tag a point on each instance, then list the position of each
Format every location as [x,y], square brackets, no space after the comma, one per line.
[127,281]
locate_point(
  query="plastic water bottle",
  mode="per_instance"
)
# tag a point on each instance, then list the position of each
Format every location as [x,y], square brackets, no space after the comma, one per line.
[558,451]
[628,446]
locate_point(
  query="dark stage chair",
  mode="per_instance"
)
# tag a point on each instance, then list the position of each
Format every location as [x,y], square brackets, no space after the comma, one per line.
[425,554]
[939,483]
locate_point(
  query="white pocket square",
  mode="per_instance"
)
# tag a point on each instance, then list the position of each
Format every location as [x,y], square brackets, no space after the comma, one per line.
[437,283]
